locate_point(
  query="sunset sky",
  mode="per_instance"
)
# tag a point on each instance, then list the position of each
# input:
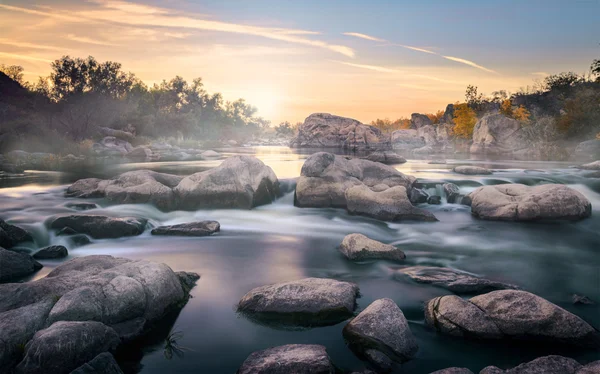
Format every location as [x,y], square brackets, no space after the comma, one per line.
[360,59]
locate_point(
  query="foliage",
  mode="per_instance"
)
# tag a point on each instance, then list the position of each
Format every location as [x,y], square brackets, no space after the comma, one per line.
[14,72]
[473,97]
[285,129]
[435,118]
[465,119]
[595,69]
[562,82]
[386,125]
[506,107]
[580,117]
[521,114]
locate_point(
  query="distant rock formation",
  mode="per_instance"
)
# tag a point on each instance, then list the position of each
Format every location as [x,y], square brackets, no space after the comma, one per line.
[497,134]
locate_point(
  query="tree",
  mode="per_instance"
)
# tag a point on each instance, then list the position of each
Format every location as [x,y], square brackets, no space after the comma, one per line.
[435,118]
[14,72]
[506,108]
[562,82]
[473,98]
[521,114]
[285,129]
[595,68]
[386,125]
[465,119]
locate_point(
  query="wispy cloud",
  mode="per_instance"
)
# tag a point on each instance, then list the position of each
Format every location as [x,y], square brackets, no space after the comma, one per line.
[403,73]
[20,44]
[540,73]
[414,48]
[470,63]
[86,40]
[368,67]
[23,57]
[364,36]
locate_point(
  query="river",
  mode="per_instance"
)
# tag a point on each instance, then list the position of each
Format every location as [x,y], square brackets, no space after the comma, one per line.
[280,242]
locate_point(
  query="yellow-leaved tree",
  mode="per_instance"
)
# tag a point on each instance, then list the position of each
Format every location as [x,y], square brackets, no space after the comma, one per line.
[506,108]
[465,119]
[435,118]
[521,114]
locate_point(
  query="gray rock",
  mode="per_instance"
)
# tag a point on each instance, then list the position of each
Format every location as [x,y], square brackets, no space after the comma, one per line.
[472,170]
[386,157]
[201,228]
[210,154]
[305,302]
[358,247]
[11,235]
[97,226]
[65,346]
[54,251]
[287,359]
[326,130]
[16,265]
[434,200]
[437,162]
[542,365]
[140,154]
[104,363]
[453,370]
[325,178]
[588,150]
[119,134]
[111,146]
[498,134]
[407,139]
[11,168]
[452,192]
[418,120]
[453,280]
[389,205]
[591,368]
[517,202]
[591,166]
[381,334]
[418,196]
[579,299]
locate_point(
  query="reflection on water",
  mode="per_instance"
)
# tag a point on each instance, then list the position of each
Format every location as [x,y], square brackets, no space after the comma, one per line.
[280,242]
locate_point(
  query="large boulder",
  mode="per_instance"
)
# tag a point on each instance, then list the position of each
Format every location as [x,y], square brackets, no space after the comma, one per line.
[119,134]
[418,120]
[202,228]
[543,365]
[453,195]
[518,202]
[104,363]
[305,302]
[497,134]
[381,335]
[289,359]
[111,146]
[453,280]
[51,252]
[358,247]
[326,130]
[11,235]
[97,226]
[509,314]
[407,139]
[15,265]
[391,204]
[325,177]
[386,157]
[588,150]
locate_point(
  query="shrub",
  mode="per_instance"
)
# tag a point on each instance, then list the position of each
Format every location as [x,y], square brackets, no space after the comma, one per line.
[465,119]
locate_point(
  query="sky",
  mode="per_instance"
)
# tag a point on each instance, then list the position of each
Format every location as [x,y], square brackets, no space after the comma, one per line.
[360,59]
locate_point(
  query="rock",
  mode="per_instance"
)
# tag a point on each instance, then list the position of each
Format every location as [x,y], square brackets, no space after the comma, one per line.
[210,154]
[140,154]
[288,359]
[232,143]
[15,265]
[453,280]
[11,168]
[453,370]
[591,368]
[64,346]
[11,235]
[111,146]
[305,302]
[418,120]
[542,365]
[104,363]
[119,134]
[321,130]
[381,334]
[82,205]
[202,228]
[437,162]
[434,200]
[386,157]
[591,166]
[358,247]
[472,170]
[418,196]
[78,240]
[52,252]
[509,314]
[325,178]
[97,226]
[452,192]
[407,139]
[588,150]
[578,299]
[518,202]
[498,134]
[389,205]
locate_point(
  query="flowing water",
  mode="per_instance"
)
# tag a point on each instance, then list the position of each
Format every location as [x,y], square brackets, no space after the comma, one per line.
[280,242]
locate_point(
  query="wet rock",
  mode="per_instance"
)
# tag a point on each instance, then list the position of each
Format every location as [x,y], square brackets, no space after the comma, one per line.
[287,359]
[326,130]
[305,302]
[325,178]
[472,170]
[202,228]
[11,235]
[82,205]
[97,226]
[381,334]
[517,202]
[592,174]
[498,134]
[588,150]
[64,346]
[452,192]
[16,265]
[52,252]
[434,200]
[140,154]
[453,280]
[386,157]
[579,299]
[591,166]
[454,370]
[542,365]
[508,313]
[389,205]
[111,146]
[78,240]
[418,196]
[104,363]
[358,247]
[11,168]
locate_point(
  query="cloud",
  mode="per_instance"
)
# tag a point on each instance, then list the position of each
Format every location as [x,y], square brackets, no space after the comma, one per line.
[19,44]
[83,39]
[364,36]
[415,48]
[540,73]
[23,57]
[470,63]
[380,69]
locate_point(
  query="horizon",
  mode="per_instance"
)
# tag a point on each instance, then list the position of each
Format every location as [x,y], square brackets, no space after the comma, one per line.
[291,63]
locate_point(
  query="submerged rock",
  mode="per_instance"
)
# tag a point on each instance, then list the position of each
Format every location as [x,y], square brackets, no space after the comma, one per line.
[472,170]
[305,302]
[358,247]
[11,235]
[52,252]
[104,363]
[591,166]
[386,157]
[16,265]
[381,334]
[82,205]
[97,226]
[509,313]
[434,200]
[418,196]
[453,280]
[518,202]
[543,365]
[289,359]
[202,228]
[389,205]
[579,299]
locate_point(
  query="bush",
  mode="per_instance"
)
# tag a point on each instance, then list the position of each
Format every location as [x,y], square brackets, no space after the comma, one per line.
[465,119]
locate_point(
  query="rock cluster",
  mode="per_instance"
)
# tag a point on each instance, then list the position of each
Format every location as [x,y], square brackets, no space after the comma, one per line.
[497,134]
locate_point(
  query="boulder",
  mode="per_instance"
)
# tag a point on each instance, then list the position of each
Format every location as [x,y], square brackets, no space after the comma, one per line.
[591,166]
[288,359]
[202,228]
[119,134]
[434,200]
[581,299]
[418,196]
[104,363]
[381,335]
[210,154]
[453,370]
[591,368]
[325,177]
[454,280]
[472,170]
[140,154]
[518,202]
[51,252]
[386,157]
[111,146]
[389,205]
[452,192]
[543,365]
[497,134]
[509,314]
[326,130]
[358,247]
[418,121]
[407,139]
[11,235]
[16,265]
[97,226]
[588,150]
[305,302]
